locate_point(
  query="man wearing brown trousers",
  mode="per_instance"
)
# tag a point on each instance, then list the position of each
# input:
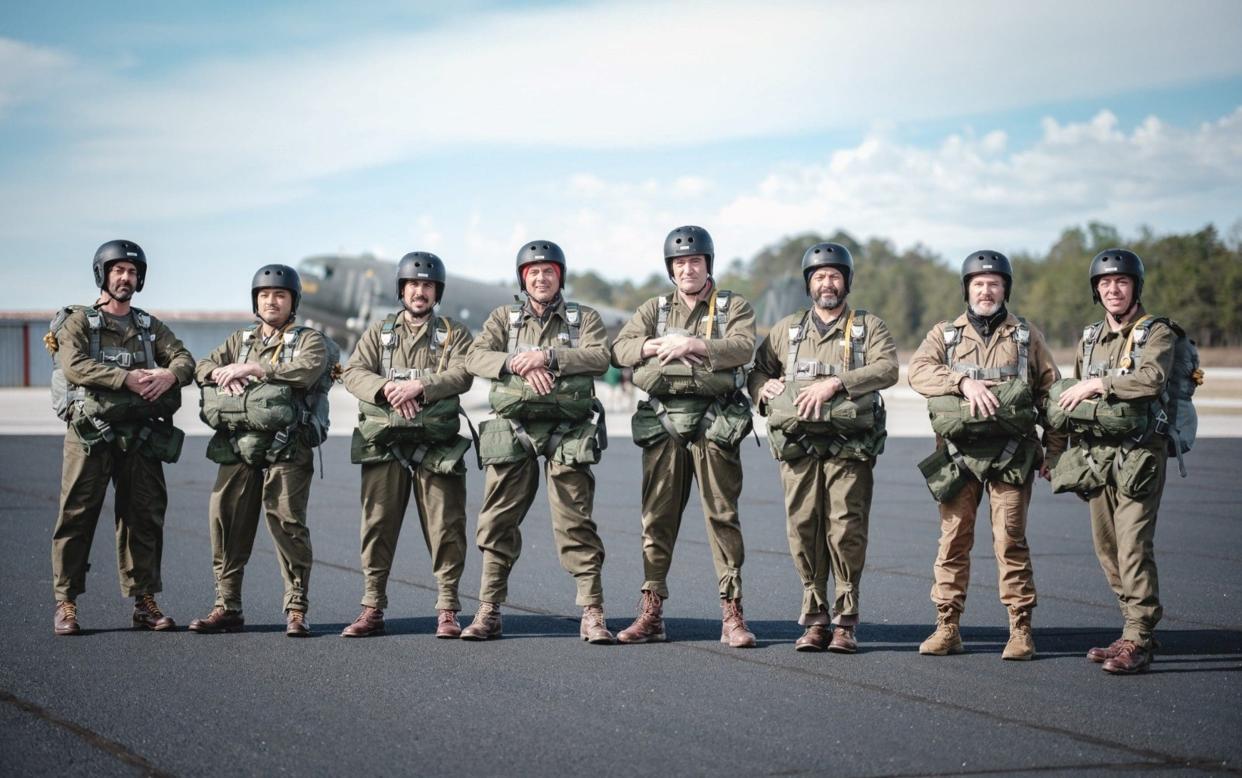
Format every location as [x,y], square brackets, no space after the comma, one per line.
[993,447]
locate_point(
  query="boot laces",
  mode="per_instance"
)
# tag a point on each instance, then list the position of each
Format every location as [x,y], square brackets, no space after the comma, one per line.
[486,613]
[593,617]
[148,604]
[648,619]
[69,610]
[733,619]
[296,617]
[447,617]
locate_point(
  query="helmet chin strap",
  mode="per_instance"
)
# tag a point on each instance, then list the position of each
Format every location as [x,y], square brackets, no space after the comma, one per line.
[1134,304]
[699,291]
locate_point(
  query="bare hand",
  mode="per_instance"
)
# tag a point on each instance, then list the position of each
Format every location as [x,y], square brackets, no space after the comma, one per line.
[982,402]
[683,348]
[155,382]
[771,388]
[541,381]
[399,393]
[1083,390]
[408,408]
[811,399]
[524,362]
[133,382]
[230,374]
[1045,472]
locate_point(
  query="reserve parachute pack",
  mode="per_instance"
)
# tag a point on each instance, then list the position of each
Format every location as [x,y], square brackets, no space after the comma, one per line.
[262,423]
[571,399]
[430,438]
[1001,446]
[557,425]
[681,379]
[1173,413]
[842,417]
[688,403]
[114,416]
[1015,415]
[1097,417]
[725,421]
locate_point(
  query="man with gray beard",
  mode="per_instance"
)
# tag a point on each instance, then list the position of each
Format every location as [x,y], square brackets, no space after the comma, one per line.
[984,375]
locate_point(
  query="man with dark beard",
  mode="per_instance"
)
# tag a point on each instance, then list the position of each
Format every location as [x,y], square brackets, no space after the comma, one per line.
[984,375]
[113,356]
[261,469]
[817,378]
[407,373]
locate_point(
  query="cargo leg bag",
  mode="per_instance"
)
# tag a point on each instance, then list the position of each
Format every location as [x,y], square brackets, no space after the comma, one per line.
[684,418]
[1080,471]
[945,471]
[1136,472]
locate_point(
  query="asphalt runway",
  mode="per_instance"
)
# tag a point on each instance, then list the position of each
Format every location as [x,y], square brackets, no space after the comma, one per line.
[119,702]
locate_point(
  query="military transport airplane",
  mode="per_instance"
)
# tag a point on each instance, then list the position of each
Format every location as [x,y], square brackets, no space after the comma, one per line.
[342,295]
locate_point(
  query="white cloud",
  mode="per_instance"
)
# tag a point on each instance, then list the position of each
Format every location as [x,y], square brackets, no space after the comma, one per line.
[963,193]
[247,132]
[968,192]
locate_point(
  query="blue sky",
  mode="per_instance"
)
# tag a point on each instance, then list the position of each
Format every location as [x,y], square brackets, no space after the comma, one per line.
[221,136]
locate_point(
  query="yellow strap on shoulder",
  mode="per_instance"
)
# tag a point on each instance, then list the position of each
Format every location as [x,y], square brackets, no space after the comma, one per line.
[1125,358]
[847,340]
[711,317]
[280,336]
[448,334]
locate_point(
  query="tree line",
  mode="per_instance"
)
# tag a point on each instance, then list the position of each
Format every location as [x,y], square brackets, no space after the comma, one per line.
[1194,278]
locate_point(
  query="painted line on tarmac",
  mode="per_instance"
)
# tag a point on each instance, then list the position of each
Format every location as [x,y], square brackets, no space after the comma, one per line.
[90,737]
[1155,758]
[1209,767]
